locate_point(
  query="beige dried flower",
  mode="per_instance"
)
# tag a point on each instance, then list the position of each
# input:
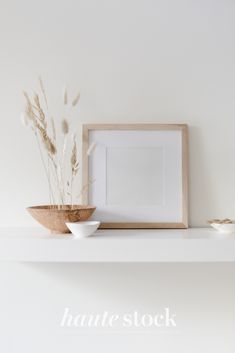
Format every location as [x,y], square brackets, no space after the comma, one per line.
[54,160]
[43,90]
[38,107]
[27,97]
[48,144]
[65,126]
[76,100]
[53,128]
[74,161]
[65,96]
[29,109]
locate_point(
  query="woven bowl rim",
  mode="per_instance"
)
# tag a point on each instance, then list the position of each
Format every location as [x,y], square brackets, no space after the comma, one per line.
[64,208]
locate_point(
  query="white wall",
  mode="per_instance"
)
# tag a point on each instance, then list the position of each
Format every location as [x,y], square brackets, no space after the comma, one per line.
[134,61]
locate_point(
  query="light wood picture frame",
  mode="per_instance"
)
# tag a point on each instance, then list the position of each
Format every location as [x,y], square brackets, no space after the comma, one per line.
[140,172]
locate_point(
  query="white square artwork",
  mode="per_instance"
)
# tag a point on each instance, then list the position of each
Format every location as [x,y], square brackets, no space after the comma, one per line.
[140,175]
[134,176]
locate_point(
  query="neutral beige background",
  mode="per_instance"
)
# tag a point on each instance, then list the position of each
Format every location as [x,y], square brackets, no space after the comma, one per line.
[134,61]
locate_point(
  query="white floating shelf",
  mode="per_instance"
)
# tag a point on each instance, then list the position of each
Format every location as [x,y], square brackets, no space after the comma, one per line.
[191,245]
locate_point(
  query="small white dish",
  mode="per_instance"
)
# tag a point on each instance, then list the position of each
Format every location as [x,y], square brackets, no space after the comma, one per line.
[83,229]
[224,228]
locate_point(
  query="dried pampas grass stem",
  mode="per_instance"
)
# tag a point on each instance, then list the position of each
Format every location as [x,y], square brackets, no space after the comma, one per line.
[84,190]
[43,90]
[74,161]
[91,148]
[74,166]
[48,144]
[41,115]
[53,128]
[65,126]
[65,96]
[76,100]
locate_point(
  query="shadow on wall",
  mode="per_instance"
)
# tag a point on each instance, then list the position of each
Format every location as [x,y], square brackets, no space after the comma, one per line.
[201,193]
[145,287]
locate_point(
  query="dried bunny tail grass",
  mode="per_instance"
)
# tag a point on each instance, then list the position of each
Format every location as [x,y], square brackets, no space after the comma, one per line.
[27,97]
[65,126]
[76,100]
[73,160]
[91,148]
[48,144]
[65,96]
[29,109]
[29,113]
[53,128]
[43,90]
[38,107]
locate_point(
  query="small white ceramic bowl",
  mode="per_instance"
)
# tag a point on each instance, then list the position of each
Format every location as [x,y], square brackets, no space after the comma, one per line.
[224,227]
[83,229]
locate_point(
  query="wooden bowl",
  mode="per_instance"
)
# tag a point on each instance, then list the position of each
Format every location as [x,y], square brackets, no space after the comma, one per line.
[54,217]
